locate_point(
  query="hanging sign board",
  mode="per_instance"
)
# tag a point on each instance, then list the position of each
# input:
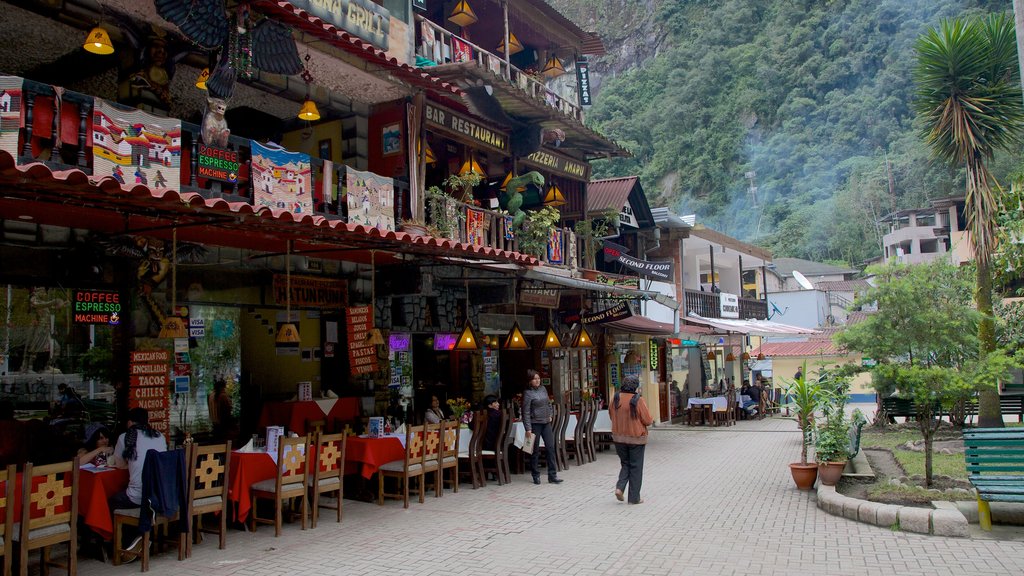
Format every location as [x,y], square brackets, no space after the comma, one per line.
[310,291]
[447,120]
[729,305]
[96,307]
[361,18]
[620,311]
[533,294]
[218,163]
[559,164]
[660,269]
[583,82]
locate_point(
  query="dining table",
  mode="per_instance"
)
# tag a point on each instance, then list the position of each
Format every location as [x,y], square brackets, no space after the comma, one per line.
[365,455]
[293,415]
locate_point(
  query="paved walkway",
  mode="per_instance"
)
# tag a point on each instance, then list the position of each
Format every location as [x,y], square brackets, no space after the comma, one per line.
[718,501]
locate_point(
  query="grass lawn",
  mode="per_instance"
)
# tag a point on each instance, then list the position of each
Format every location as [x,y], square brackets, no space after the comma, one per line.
[951,465]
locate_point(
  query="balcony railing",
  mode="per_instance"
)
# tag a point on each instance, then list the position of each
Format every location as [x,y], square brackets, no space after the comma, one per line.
[708,305]
[442,47]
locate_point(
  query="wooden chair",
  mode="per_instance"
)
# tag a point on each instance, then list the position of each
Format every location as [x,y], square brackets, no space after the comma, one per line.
[328,473]
[405,470]
[208,491]
[450,454]
[432,449]
[562,454]
[491,459]
[49,514]
[577,444]
[315,428]
[290,482]
[172,469]
[504,444]
[474,454]
[7,481]
[590,442]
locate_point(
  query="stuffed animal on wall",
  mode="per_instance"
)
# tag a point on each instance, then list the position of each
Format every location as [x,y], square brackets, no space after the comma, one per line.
[215,127]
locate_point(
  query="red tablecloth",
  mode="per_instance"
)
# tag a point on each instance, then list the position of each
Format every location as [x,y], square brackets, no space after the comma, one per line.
[293,415]
[371,454]
[94,490]
[247,468]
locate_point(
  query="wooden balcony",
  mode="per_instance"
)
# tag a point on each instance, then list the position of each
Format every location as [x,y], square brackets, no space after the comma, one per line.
[708,305]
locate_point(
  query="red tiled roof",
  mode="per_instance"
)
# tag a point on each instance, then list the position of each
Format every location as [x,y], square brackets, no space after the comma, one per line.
[609,194]
[72,198]
[815,347]
[342,39]
[842,285]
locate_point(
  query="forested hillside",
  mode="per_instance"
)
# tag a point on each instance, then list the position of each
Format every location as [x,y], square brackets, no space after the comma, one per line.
[808,100]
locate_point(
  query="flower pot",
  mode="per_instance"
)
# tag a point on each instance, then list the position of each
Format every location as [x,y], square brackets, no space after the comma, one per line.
[804,474]
[830,472]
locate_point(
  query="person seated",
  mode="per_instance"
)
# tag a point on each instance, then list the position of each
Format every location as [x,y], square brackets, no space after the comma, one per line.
[434,414]
[493,422]
[97,445]
[755,400]
[130,452]
[69,404]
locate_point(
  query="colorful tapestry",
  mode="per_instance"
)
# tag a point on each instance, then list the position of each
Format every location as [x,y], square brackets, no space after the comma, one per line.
[281,180]
[10,113]
[134,147]
[461,51]
[371,199]
[506,224]
[475,233]
[555,246]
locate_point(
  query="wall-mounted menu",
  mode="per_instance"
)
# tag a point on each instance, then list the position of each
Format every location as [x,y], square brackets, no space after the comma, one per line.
[362,357]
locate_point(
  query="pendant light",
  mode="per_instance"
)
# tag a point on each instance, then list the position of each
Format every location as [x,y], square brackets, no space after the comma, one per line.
[373,337]
[467,338]
[462,14]
[729,357]
[553,68]
[309,112]
[711,356]
[745,356]
[98,42]
[760,356]
[173,326]
[515,340]
[471,165]
[554,197]
[514,45]
[288,335]
[202,78]
[551,340]
[582,339]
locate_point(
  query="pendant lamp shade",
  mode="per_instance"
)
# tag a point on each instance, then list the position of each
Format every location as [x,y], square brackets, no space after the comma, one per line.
[202,78]
[554,197]
[309,111]
[553,68]
[760,356]
[173,327]
[98,42]
[582,339]
[729,357]
[515,339]
[462,14]
[288,334]
[428,153]
[711,355]
[745,356]
[551,340]
[467,340]
[471,165]
[514,45]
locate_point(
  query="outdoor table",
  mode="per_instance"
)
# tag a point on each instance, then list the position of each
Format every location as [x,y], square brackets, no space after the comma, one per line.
[365,455]
[465,436]
[246,469]
[294,415]
[94,491]
[519,431]
[717,403]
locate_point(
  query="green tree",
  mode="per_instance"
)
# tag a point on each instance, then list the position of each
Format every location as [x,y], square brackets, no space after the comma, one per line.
[968,93]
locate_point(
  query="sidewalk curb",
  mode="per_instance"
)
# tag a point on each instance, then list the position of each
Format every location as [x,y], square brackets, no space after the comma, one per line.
[939,522]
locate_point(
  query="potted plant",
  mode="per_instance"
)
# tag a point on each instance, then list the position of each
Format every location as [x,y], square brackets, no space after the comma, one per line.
[831,450]
[804,396]
[415,226]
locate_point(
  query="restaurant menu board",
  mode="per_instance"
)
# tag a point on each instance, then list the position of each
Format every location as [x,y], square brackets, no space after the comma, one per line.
[148,387]
[401,369]
[492,385]
[362,358]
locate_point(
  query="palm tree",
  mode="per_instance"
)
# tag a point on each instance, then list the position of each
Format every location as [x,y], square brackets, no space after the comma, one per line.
[969,95]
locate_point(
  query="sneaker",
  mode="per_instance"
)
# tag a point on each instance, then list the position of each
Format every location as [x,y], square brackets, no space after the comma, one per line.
[134,549]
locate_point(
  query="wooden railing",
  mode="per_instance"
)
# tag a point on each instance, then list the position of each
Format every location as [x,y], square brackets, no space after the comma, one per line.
[708,305]
[442,47]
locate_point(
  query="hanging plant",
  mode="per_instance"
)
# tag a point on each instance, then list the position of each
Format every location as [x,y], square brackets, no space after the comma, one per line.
[536,230]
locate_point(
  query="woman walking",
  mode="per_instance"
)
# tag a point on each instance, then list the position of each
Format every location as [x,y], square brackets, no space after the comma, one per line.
[537,420]
[630,419]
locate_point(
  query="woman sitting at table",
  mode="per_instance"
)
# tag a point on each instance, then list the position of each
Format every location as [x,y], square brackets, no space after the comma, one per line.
[434,414]
[97,445]
[130,452]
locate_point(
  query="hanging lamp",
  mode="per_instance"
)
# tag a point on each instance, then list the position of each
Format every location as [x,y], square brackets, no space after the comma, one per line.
[554,197]
[202,78]
[471,165]
[462,14]
[551,340]
[729,357]
[514,45]
[98,42]
[582,339]
[515,340]
[745,356]
[553,68]
[173,326]
[711,355]
[309,112]
[373,336]
[760,356]
[288,334]
[467,338]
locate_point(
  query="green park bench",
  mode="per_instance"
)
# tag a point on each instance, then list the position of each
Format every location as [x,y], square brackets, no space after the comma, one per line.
[995,466]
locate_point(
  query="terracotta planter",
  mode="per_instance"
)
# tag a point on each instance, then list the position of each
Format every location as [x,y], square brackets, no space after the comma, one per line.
[830,472]
[804,474]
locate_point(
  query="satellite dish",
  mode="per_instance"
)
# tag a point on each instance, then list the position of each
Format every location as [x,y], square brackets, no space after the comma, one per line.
[802,280]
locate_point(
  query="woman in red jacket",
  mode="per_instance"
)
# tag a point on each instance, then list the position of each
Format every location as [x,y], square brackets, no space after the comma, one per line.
[630,419]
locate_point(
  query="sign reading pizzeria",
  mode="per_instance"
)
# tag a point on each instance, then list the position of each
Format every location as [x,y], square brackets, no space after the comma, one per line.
[218,164]
[460,126]
[558,164]
[96,307]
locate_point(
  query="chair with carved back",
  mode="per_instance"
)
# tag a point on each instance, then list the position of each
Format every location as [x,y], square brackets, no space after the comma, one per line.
[492,456]
[208,491]
[406,469]
[474,453]
[558,415]
[49,514]
[315,428]
[591,440]
[7,482]
[433,444]
[288,483]
[562,454]
[171,468]
[450,454]
[577,444]
[504,444]
[328,473]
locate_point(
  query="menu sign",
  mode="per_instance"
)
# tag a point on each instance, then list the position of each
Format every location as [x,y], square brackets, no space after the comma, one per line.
[96,307]
[148,386]
[362,357]
[218,163]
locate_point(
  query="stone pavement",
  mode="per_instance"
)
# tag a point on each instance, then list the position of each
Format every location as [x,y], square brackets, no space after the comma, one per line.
[717,501]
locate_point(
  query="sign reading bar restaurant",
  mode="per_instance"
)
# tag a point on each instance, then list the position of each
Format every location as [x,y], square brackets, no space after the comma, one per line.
[96,307]
[461,126]
[559,164]
[311,291]
[660,269]
[218,163]
[361,18]
[620,311]
[583,81]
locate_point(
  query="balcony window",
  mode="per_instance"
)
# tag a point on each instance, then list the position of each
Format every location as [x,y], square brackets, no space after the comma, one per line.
[926,220]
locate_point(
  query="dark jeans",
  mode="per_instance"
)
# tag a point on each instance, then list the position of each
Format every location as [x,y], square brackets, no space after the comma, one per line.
[543,432]
[120,501]
[631,456]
